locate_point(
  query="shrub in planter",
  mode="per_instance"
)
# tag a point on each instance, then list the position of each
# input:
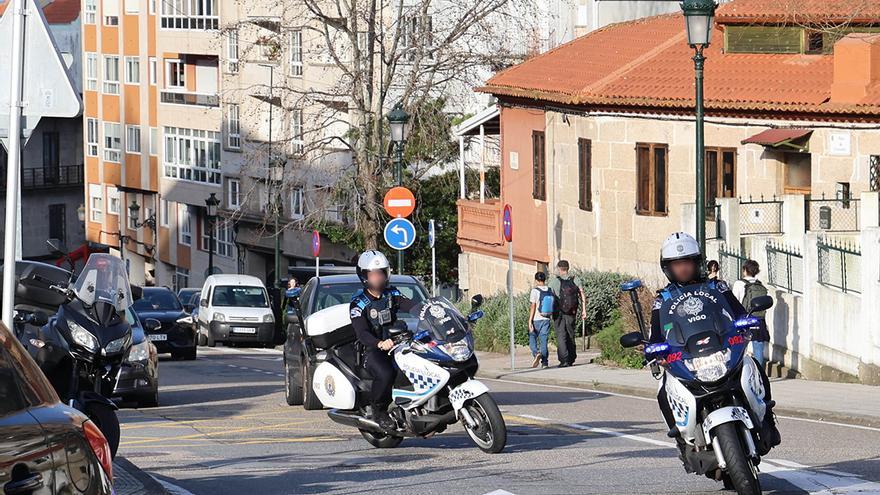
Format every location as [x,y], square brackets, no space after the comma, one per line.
[612,352]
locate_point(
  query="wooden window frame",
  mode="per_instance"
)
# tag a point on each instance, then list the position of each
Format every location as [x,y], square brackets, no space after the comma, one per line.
[539,165]
[719,151]
[585,174]
[651,147]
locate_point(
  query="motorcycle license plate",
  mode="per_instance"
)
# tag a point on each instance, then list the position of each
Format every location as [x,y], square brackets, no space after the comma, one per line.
[158,337]
[244,330]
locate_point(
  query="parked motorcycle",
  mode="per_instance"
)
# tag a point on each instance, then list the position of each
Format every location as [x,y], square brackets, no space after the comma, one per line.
[434,389]
[716,392]
[81,348]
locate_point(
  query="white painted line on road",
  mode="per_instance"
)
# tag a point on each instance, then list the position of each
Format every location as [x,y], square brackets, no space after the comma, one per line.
[499,492]
[830,423]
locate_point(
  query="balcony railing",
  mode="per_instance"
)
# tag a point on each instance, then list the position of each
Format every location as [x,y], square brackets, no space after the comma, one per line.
[480,222]
[197,99]
[48,177]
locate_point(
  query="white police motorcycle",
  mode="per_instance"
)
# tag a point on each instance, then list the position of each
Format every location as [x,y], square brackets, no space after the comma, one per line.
[434,389]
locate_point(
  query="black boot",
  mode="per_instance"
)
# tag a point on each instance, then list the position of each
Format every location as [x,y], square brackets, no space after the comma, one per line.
[380,416]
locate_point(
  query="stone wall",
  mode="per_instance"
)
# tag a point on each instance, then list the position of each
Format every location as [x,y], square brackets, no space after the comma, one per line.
[487,275]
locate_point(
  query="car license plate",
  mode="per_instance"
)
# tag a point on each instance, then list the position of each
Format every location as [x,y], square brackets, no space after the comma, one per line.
[158,336]
[244,330]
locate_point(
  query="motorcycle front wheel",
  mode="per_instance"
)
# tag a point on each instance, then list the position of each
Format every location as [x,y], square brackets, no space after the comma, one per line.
[490,432]
[740,469]
[380,440]
[105,418]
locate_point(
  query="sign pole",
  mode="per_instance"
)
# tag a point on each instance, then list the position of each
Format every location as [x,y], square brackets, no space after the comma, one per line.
[12,178]
[432,240]
[317,266]
[316,251]
[510,296]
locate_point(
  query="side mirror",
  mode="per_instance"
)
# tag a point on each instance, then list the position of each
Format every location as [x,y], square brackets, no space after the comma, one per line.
[476,315]
[293,293]
[152,324]
[761,303]
[476,301]
[188,308]
[399,327]
[203,303]
[631,339]
[290,318]
[39,318]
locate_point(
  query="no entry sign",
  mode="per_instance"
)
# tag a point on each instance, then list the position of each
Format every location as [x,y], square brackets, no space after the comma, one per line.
[399,202]
[316,244]
[507,224]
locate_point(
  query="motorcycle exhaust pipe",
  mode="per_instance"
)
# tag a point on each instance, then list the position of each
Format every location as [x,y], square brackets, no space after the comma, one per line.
[354,420]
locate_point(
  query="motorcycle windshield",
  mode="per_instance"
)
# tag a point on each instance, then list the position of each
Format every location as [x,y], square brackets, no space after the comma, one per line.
[104,279]
[696,311]
[442,320]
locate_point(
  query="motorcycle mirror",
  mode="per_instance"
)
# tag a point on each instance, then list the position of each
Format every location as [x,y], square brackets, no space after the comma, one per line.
[631,339]
[39,318]
[630,285]
[476,301]
[761,303]
[152,324]
[476,315]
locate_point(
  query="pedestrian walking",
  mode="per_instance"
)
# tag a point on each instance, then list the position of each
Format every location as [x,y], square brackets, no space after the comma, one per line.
[746,289]
[542,302]
[572,303]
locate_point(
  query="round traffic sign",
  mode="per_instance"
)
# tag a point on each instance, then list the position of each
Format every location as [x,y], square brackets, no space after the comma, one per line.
[432,235]
[399,202]
[400,233]
[316,243]
[507,224]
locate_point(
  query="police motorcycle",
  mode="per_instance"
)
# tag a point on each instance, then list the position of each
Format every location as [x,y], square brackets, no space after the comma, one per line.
[81,348]
[715,391]
[434,388]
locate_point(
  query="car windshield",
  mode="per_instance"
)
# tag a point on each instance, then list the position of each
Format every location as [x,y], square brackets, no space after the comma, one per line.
[332,294]
[157,300]
[104,279]
[240,296]
[695,310]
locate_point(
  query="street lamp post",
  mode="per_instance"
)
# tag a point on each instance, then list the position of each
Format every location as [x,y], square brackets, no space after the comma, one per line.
[397,119]
[134,215]
[211,203]
[699,16]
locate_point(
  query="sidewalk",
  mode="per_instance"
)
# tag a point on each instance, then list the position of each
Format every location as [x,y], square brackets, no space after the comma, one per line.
[128,479]
[843,402]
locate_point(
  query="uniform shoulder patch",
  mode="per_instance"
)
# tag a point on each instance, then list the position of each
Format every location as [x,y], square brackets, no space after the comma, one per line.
[355,311]
[393,291]
[658,302]
[722,286]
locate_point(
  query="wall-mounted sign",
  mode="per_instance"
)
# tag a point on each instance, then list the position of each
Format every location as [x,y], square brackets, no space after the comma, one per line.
[839,143]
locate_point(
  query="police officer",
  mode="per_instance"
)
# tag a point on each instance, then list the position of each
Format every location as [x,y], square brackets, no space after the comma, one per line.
[373,309]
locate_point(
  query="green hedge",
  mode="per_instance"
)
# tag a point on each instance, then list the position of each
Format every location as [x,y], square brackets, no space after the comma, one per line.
[612,353]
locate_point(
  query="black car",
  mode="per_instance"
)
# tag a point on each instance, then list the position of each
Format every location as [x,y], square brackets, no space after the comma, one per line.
[139,378]
[35,427]
[320,293]
[176,334]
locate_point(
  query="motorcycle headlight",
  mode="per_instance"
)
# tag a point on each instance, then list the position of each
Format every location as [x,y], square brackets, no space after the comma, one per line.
[709,368]
[117,345]
[139,352]
[219,317]
[268,318]
[82,336]
[459,351]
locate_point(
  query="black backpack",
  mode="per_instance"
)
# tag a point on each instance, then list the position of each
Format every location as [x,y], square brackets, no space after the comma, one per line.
[569,296]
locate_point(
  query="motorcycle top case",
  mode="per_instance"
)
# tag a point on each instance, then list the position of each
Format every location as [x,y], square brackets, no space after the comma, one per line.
[330,327]
[33,281]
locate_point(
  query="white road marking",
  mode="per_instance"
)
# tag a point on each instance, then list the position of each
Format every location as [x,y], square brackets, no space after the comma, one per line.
[499,492]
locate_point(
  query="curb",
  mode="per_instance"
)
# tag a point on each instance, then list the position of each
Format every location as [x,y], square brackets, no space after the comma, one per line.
[150,485]
[800,413]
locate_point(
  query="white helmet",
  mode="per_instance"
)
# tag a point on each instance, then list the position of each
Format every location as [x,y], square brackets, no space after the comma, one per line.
[679,246]
[372,260]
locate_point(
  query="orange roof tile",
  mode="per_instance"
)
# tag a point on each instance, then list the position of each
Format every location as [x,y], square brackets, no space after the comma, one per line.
[57,12]
[799,11]
[647,63]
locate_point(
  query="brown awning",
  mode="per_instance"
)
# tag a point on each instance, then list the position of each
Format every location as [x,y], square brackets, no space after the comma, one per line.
[793,138]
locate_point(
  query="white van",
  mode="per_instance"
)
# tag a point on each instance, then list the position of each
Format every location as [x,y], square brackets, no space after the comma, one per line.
[235,308]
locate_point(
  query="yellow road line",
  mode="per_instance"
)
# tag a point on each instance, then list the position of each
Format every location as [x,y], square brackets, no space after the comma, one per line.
[161,419]
[209,435]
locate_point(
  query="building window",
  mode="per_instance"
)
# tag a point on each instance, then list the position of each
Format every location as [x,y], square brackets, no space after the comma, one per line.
[651,174]
[181,278]
[585,171]
[192,154]
[92,71]
[164,213]
[232,51]
[297,205]
[222,237]
[153,7]
[233,202]
[874,173]
[51,157]
[175,74]
[111,74]
[132,139]
[91,11]
[58,222]
[720,174]
[153,70]
[110,11]
[112,200]
[154,141]
[233,127]
[416,37]
[132,70]
[132,221]
[112,142]
[92,137]
[184,225]
[539,166]
[96,203]
[189,14]
[296,53]
[296,131]
[132,6]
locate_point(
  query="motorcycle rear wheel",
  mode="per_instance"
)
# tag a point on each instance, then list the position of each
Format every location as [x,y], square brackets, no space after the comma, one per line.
[490,434]
[742,473]
[106,420]
[380,440]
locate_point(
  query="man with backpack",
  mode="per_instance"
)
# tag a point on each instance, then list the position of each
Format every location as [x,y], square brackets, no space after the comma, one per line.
[746,289]
[571,299]
[542,302]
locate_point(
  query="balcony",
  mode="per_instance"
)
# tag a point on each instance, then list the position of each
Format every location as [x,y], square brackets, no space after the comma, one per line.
[195,99]
[48,177]
[479,224]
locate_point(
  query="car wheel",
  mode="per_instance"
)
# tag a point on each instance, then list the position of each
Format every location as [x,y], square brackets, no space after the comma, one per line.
[202,340]
[292,387]
[210,340]
[310,400]
[151,400]
[190,355]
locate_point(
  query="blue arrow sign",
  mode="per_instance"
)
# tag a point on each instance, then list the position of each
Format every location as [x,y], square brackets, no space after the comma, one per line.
[431,234]
[400,233]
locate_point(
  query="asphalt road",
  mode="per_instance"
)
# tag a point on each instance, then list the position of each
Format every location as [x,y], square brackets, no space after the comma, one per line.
[223,428]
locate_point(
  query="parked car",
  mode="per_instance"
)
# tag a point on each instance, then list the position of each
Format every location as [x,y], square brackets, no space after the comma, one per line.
[139,378]
[321,293]
[235,309]
[176,334]
[35,427]
[185,295]
[190,300]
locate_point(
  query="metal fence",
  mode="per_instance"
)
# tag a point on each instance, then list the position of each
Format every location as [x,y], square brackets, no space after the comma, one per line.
[785,268]
[760,216]
[731,261]
[840,265]
[832,214]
